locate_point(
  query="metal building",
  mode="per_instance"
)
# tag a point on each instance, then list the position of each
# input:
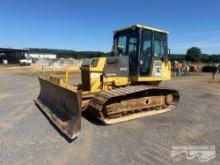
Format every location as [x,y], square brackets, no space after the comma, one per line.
[42,56]
[13,55]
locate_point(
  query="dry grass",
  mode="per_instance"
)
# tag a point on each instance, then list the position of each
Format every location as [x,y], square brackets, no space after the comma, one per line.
[38,70]
[9,65]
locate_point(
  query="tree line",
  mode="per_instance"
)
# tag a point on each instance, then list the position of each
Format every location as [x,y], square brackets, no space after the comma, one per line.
[63,53]
[193,54]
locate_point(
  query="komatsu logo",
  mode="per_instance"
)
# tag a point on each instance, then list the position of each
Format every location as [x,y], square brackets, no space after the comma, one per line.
[111,74]
[123,69]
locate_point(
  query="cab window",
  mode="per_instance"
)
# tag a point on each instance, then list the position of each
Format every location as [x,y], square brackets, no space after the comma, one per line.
[128,40]
[132,46]
[122,41]
[147,43]
[160,46]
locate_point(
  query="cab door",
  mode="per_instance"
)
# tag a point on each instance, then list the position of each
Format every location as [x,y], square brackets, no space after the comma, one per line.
[129,41]
[132,51]
[146,53]
[153,51]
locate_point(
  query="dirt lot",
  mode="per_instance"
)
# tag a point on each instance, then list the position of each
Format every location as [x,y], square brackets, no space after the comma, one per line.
[27,137]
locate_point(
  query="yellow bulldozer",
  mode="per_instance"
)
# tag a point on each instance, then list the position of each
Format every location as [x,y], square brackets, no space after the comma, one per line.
[117,88]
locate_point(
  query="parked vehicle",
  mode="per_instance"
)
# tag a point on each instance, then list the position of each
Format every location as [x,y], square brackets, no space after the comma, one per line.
[25,62]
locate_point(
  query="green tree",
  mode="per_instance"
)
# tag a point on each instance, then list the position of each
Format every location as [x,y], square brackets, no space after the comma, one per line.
[204,58]
[193,54]
[214,58]
[177,57]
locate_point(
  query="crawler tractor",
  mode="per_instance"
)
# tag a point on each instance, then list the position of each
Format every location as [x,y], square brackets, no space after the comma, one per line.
[117,88]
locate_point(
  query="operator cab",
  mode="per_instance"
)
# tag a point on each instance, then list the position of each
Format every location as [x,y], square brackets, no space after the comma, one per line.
[142,45]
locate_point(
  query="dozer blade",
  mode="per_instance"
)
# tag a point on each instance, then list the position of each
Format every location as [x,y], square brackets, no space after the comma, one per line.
[62,106]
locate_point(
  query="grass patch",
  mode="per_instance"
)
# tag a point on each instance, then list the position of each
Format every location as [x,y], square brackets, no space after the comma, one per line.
[9,65]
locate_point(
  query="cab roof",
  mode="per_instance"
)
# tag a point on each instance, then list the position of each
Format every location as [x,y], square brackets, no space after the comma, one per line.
[143,27]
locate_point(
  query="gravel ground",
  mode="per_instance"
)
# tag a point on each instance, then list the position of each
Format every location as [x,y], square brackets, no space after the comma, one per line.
[27,137]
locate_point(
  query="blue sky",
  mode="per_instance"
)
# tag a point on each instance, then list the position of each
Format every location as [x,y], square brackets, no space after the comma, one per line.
[89,24]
